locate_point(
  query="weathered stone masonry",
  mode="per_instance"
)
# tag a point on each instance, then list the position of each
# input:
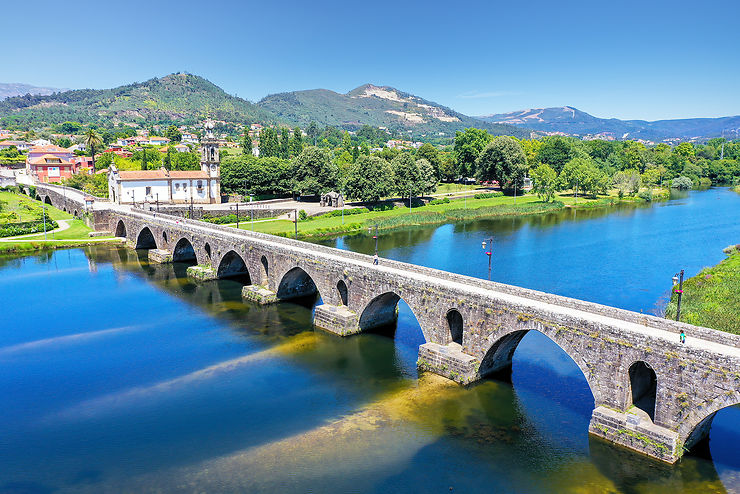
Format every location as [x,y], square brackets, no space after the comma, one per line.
[472,327]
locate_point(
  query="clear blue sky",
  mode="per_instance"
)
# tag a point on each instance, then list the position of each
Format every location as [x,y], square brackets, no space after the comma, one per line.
[646,59]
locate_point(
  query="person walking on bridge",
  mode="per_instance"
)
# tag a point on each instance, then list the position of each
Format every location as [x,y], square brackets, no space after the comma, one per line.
[682,337]
[375,259]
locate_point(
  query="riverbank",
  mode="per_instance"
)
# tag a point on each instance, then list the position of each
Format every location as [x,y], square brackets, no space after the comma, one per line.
[712,297]
[439,212]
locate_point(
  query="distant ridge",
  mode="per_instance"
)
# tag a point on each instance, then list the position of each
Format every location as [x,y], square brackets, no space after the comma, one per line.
[570,120]
[172,98]
[378,106]
[10,89]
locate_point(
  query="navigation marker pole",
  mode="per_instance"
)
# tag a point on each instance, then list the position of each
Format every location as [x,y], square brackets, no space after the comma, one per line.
[679,291]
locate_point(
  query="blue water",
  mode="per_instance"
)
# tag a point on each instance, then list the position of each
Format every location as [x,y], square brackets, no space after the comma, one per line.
[120,376]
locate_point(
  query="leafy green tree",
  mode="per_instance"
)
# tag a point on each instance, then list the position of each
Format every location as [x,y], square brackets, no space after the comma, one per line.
[503,160]
[581,174]
[173,134]
[149,157]
[683,183]
[269,145]
[427,176]
[313,172]
[94,142]
[447,168]
[431,154]
[556,152]
[651,177]
[544,182]
[167,161]
[64,142]
[627,182]
[312,132]
[406,177]
[468,145]
[296,143]
[246,142]
[259,175]
[185,161]
[70,127]
[284,147]
[368,179]
[105,160]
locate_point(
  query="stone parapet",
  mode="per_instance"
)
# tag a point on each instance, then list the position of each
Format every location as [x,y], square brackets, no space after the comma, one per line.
[259,294]
[202,273]
[336,319]
[448,361]
[159,256]
[636,433]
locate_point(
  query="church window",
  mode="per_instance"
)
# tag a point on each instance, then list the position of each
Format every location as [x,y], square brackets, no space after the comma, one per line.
[148,191]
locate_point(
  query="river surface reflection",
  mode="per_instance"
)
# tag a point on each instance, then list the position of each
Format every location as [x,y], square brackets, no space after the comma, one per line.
[121,376]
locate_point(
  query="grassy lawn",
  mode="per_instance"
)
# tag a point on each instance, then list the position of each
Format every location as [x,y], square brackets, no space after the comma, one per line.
[77,230]
[445,188]
[27,208]
[712,298]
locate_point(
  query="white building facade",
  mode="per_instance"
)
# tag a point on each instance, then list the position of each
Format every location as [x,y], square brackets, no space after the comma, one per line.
[171,186]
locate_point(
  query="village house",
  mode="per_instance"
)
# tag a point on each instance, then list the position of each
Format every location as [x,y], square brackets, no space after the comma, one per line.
[158,141]
[49,163]
[171,186]
[82,164]
[188,138]
[20,145]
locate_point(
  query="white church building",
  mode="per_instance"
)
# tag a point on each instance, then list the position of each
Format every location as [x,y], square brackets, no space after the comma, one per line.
[171,186]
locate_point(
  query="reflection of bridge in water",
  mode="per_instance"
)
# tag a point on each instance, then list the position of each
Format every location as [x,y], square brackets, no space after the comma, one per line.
[651,393]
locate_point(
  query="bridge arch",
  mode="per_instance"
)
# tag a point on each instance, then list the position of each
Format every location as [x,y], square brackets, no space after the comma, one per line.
[47,200]
[121,229]
[76,214]
[343,292]
[296,283]
[455,325]
[207,248]
[184,251]
[164,237]
[696,426]
[264,270]
[643,386]
[232,265]
[383,310]
[145,239]
[498,357]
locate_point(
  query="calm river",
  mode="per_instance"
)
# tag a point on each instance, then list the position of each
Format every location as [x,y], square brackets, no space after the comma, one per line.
[120,376]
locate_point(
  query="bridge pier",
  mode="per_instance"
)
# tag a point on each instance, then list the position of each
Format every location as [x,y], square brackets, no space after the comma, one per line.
[636,433]
[448,361]
[337,319]
[159,256]
[202,273]
[259,294]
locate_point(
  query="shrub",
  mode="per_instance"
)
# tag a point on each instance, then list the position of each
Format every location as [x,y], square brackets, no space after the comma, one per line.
[646,194]
[433,202]
[682,183]
[302,215]
[488,195]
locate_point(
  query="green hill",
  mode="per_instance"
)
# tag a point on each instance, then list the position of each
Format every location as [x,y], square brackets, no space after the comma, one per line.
[176,98]
[378,106]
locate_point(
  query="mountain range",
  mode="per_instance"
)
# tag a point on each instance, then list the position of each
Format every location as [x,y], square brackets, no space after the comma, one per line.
[573,121]
[10,89]
[187,98]
[377,106]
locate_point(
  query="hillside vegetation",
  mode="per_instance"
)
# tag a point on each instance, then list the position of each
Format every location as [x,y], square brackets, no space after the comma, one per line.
[178,98]
[377,106]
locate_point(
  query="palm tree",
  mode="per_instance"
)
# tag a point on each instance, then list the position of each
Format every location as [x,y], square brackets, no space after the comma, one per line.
[93,141]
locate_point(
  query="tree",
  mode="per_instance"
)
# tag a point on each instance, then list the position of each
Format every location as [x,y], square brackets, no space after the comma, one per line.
[581,174]
[269,145]
[185,161]
[503,160]
[406,178]
[246,142]
[368,179]
[296,143]
[447,168]
[427,176]
[259,175]
[284,147]
[312,132]
[430,153]
[313,172]
[64,142]
[683,183]
[167,162]
[556,152]
[544,182]
[627,182]
[468,145]
[173,134]
[70,127]
[93,142]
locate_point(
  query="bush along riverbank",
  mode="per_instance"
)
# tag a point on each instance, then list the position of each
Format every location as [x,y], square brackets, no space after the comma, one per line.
[712,297]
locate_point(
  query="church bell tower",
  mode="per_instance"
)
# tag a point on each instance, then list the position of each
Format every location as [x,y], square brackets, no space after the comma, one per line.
[210,162]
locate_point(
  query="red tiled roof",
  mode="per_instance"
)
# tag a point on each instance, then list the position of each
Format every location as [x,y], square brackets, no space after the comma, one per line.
[50,148]
[161,174]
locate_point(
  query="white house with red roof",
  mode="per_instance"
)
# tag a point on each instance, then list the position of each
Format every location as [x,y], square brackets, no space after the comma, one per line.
[171,186]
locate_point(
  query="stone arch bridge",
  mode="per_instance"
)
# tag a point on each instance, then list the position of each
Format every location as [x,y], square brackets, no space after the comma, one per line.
[651,393]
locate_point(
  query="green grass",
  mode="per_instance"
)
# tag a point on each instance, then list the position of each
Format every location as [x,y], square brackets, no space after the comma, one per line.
[445,188]
[712,298]
[77,230]
[455,210]
[36,246]
[26,208]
